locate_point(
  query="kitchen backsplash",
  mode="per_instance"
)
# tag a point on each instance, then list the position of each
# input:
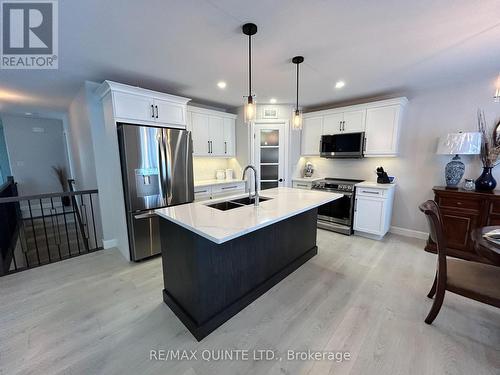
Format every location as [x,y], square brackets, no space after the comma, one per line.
[205,168]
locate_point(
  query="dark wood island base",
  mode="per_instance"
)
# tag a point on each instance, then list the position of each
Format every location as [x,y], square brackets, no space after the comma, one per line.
[208,283]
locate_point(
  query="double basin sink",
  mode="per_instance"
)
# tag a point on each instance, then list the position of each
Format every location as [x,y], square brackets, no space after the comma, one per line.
[235,203]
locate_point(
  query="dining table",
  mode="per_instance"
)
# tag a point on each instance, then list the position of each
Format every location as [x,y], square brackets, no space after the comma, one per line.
[485,248]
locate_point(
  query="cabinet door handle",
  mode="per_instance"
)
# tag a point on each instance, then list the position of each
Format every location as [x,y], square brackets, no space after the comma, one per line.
[152,111]
[156,111]
[343,126]
[340,126]
[225,147]
[211,147]
[208,142]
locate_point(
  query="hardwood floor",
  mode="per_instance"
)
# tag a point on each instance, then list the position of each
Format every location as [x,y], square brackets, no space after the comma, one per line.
[97,314]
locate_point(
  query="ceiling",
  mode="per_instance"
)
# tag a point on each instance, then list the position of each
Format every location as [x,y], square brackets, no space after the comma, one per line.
[186,47]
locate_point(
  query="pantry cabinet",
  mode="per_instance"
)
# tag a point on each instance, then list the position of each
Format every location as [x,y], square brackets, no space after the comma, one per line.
[381,122]
[213,132]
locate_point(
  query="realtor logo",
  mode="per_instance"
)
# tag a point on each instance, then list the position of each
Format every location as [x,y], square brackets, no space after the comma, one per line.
[29,34]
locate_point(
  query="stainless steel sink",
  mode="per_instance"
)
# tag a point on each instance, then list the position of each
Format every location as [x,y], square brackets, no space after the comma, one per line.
[246,201]
[235,203]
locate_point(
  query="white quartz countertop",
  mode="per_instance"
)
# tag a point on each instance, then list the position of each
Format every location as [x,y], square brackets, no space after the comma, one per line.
[373,184]
[306,179]
[215,182]
[221,226]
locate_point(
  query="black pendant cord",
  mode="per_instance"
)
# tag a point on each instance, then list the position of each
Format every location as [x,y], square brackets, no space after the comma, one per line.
[297,106]
[249,67]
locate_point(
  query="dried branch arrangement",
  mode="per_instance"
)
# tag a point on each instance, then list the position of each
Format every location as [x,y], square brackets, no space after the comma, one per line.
[490,145]
[61,175]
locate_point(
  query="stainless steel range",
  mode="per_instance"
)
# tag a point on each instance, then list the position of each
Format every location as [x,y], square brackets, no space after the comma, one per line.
[337,216]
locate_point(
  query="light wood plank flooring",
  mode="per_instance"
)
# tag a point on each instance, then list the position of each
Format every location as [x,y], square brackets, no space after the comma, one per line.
[97,314]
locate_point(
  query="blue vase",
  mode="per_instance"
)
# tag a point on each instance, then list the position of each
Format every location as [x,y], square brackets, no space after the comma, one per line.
[486,182]
[454,172]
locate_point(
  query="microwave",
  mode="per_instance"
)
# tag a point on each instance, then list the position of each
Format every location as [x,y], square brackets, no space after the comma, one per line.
[342,146]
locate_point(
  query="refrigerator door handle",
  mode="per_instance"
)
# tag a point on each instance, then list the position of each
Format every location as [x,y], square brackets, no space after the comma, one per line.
[162,164]
[167,162]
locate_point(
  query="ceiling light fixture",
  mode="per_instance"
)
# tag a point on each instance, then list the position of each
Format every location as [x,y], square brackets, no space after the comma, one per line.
[496,98]
[339,84]
[249,29]
[297,114]
[272,101]
[221,84]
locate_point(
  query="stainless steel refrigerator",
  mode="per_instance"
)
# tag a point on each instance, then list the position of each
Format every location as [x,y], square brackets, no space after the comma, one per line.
[157,171]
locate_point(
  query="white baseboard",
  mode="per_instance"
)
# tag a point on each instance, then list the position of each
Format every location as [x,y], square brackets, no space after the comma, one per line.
[108,244]
[409,233]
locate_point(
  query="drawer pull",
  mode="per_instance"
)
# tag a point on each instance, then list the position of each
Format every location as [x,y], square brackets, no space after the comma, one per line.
[371,192]
[201,191]
[459,203]
[229,187]
[302,185]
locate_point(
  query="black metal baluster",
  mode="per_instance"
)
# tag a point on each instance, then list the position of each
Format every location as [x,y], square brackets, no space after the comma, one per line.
[66,228]
[76,224]
[57,236]
[85,220]
[23,230]
[34,234]
[45,231]
[93,222]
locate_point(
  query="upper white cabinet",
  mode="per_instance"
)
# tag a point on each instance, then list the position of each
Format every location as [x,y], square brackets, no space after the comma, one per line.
[382,130]
[145,107]
[380,121]
[213,132]
[344,122]
[312,130]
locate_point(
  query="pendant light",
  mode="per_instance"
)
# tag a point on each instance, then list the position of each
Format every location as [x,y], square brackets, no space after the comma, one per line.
[496,98]
[250,109]
[297,114]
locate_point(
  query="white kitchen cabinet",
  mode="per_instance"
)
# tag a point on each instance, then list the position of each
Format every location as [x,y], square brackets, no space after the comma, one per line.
[213,132]
[133,107]
[373,209]
[169,113]
[229,136]
[381,122]
[218,190]
[145,107]
[354,121]
[312,130]
[198,124]
[382,130]
[332,123]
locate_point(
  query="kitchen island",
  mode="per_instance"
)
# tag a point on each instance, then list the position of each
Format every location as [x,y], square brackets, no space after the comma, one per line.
[217,260]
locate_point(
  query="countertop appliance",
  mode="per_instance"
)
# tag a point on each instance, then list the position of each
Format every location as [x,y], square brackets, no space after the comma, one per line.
[342,146]
[338,215]
[157,171]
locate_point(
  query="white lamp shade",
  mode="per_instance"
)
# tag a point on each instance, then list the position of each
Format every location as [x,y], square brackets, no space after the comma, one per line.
[460,144]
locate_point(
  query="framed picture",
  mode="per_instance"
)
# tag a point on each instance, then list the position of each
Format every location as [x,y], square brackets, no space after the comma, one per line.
[270,113]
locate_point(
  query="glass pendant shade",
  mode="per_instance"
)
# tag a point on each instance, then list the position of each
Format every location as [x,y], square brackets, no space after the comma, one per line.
[250,110]
[297,120]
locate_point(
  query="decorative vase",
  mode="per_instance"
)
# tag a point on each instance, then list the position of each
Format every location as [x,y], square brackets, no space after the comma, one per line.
[486,182]
[454,172]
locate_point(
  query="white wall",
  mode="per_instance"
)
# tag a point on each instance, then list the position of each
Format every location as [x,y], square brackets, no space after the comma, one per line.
[35,145]
[84,113]
[430,114]
[79,137]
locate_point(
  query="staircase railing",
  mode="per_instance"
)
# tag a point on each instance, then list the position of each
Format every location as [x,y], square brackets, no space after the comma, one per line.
[50,227]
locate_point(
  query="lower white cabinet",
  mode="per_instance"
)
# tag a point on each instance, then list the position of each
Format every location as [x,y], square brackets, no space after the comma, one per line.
[373,209]
[298,184]
[213,132]
[206,192]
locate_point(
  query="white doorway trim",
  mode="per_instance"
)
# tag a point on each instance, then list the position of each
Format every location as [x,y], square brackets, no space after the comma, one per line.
[286,131]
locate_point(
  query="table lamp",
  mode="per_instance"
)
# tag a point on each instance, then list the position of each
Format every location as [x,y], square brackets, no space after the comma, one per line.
[467,143]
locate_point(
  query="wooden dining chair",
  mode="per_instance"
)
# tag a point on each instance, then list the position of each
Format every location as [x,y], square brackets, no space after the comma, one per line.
[478,281]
